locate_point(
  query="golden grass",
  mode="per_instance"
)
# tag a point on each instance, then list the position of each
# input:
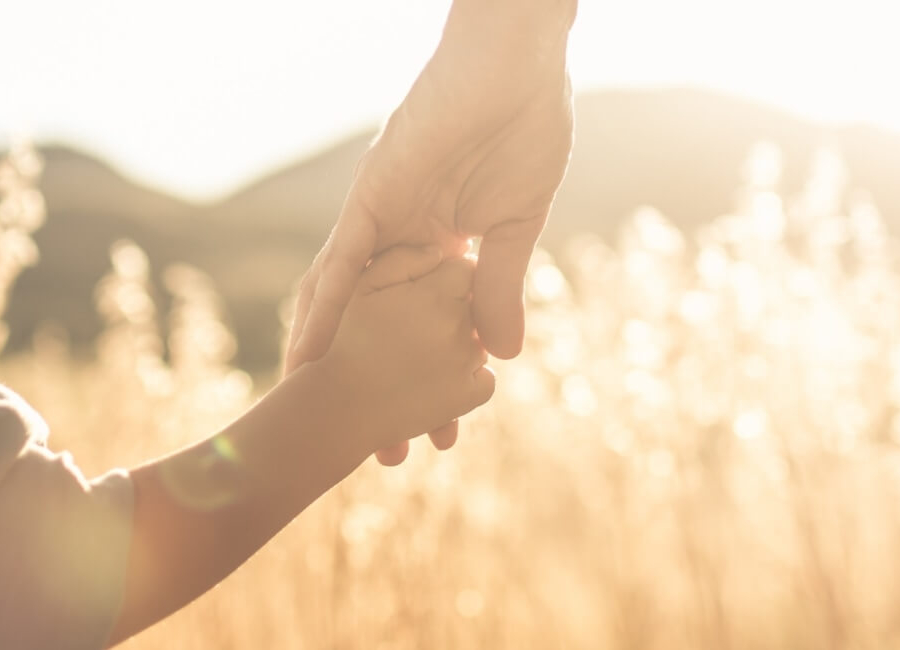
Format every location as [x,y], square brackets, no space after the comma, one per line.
[697,449]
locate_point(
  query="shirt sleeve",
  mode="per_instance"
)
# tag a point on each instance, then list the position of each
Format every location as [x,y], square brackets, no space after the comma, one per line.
[63,540]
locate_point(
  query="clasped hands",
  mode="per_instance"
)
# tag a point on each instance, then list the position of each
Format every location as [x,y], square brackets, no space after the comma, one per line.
[477,148]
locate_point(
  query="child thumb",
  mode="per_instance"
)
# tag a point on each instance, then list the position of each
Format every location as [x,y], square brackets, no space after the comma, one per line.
[401,264]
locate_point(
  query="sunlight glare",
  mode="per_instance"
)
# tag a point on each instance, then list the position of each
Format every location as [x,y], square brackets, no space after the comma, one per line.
[546,283]
[712,266]
[578,394]
[751,423]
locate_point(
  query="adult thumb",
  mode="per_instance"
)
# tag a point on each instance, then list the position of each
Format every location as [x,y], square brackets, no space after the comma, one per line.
[497,292]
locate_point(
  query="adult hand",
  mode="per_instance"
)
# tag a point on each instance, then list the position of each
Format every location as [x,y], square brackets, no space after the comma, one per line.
[477,148]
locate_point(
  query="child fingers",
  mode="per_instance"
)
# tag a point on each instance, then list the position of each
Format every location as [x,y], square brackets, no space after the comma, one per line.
[478,356]
[483,384]
[400,264]
[453,277]
[469,353]
[466,394]
[445,437]
[391,456]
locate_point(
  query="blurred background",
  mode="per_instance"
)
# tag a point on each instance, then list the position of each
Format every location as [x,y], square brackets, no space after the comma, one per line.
[698,446]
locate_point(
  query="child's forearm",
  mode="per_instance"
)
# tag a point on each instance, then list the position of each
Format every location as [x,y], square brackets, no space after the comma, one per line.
[203,511]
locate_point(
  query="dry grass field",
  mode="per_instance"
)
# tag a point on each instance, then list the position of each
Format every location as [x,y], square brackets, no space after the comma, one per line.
[697,449]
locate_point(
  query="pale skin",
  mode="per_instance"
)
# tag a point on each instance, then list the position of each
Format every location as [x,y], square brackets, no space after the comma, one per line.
[406,357]
[478,147]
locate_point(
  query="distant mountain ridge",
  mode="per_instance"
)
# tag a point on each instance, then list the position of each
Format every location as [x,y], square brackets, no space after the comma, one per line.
[680,151]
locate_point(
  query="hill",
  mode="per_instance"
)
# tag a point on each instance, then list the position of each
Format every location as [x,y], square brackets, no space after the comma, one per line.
[680,151]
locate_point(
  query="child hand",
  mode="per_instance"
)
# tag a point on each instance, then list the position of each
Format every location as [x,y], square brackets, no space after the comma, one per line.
[406,357]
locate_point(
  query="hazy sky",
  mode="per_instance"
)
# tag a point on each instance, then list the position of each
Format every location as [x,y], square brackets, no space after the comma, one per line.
[197,96]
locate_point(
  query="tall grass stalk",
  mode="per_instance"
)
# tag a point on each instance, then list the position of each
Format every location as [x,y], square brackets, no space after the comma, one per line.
[698,448]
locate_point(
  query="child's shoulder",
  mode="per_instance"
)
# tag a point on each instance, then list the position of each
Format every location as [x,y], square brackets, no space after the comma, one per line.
[19,425]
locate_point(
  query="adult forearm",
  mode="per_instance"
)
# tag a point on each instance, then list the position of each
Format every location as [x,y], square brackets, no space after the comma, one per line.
[203,511]
[545,8]
[544,21]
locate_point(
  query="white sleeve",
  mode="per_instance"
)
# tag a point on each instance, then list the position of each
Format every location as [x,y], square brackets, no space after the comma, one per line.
[63,541]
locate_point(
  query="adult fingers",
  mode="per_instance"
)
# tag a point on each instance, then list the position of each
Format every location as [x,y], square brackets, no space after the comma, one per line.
[445,437]
[301,310]
[400,264]
[344,258]
[498,287]
[390,456]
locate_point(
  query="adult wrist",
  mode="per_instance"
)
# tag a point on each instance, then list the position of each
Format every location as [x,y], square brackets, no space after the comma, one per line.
[541,19]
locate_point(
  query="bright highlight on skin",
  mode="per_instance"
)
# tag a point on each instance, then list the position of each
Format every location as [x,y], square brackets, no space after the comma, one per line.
[206,479]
